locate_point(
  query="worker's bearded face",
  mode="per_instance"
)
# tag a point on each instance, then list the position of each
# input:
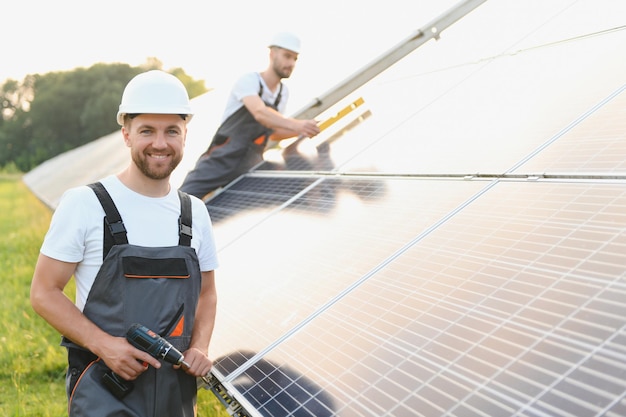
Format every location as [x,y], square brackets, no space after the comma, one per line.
[283,62]
[157,144]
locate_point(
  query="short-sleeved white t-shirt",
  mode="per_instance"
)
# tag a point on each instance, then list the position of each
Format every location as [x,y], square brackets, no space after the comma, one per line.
[76,230]
[248,85]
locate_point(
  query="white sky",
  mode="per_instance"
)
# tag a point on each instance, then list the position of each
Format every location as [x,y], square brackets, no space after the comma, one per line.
[217,41]
[214,41]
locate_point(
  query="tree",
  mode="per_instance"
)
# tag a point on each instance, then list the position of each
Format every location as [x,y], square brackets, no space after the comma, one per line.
[48,114]
[194,87]
[15,99]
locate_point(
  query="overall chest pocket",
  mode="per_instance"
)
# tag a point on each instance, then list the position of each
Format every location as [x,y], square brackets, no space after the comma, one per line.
[157,292]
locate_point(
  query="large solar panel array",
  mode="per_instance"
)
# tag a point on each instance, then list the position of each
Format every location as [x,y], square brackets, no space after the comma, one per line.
[456,246]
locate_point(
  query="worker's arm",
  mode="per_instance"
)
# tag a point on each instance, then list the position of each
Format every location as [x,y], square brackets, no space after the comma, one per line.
[284,127]
[50,302]
[197,354]
[280,134]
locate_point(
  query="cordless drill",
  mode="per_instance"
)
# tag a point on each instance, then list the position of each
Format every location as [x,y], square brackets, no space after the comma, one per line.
[144,339]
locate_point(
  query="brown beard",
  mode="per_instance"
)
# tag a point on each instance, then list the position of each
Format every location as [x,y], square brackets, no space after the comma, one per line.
[155,174]
[281,74]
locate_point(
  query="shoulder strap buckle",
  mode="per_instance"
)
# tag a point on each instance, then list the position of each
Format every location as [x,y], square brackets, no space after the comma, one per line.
[112,219]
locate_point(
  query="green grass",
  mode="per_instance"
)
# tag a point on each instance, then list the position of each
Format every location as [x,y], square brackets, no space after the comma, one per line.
[32,364]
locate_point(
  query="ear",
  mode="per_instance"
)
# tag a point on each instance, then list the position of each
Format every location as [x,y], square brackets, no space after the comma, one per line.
[126,136]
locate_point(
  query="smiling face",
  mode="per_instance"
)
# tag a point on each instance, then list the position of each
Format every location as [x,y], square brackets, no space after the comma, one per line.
[157,143]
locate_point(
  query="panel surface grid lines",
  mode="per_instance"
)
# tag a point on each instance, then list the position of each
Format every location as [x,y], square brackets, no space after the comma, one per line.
[596,146]
[462,324]
[321,245]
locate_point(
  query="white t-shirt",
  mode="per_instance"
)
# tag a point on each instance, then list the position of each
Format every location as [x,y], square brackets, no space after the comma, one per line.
[76,229]
[248,85]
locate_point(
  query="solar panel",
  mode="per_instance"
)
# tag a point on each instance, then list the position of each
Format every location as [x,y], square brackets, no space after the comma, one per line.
[454,247]
[524,284]
[497,115]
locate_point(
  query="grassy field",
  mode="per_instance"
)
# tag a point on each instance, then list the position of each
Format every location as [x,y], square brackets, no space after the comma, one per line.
[32,364]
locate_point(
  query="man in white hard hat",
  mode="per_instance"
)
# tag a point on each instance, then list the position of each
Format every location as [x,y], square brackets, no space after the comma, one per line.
[253,115]
[140,253]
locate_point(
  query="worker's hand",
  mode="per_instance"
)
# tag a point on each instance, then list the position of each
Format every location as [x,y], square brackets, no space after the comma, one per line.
[124,359]
[199,362]
[307,128]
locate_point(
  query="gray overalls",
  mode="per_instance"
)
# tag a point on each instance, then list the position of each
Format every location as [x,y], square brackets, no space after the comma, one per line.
[237,147]
[156,287]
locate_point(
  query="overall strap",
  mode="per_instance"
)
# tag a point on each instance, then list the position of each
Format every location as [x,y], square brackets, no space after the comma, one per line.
[278,97]
[114,231]
[184,221]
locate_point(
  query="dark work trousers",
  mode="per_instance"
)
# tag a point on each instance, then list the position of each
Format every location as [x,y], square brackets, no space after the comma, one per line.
[237,147]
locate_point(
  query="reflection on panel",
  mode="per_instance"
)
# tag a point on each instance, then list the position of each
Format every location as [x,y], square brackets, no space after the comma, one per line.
[298,258]
[252,193]
[316,154]
[515,306]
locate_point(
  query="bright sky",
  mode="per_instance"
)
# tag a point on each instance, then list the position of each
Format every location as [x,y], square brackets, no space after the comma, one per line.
[214,41]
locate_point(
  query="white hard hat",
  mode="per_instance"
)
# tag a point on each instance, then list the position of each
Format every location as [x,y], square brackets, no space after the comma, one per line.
[154,92]
[286,40]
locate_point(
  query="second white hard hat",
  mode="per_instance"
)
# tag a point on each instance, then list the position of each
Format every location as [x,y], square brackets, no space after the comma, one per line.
[154,92]
[286,40]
